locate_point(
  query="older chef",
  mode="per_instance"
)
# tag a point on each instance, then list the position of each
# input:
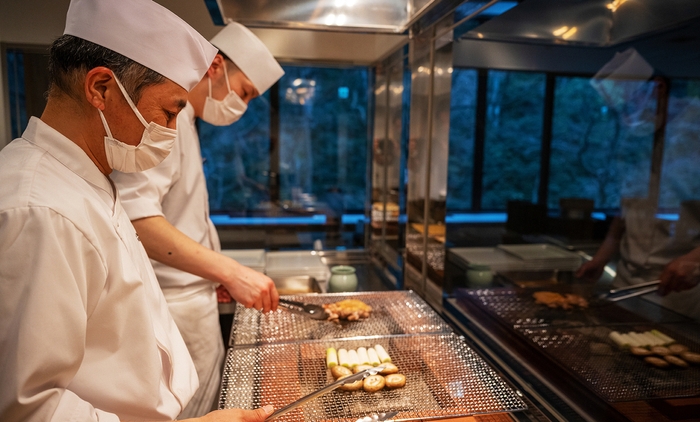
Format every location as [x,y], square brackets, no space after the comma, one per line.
[169,207]
[85,333]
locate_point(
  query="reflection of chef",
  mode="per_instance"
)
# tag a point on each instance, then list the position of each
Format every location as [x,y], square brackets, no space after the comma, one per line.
[653,248]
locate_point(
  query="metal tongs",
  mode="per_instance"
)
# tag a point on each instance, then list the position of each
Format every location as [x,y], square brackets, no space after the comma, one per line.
[623,293]
[308,309]
[330,387]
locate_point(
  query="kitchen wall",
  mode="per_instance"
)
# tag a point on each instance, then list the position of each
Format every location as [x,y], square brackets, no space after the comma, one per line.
[39,22]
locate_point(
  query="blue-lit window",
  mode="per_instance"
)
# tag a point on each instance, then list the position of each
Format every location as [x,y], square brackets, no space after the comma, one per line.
[600,151]
[462,123]
[16,91]
[513,138]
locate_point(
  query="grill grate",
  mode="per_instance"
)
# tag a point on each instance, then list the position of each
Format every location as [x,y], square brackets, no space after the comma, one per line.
[444,377]
[613,374]
[394,312]
[517,308]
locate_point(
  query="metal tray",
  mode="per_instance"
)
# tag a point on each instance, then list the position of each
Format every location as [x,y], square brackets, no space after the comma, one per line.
[614,374]
[394,312]
[516,308]
[444,378]
[299,284]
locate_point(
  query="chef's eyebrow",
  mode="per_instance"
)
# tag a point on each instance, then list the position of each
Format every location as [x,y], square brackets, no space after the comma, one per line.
[181,104]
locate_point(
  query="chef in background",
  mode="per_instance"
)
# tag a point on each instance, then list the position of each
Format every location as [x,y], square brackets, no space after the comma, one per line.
[85,332]
[169,207]
[653,248]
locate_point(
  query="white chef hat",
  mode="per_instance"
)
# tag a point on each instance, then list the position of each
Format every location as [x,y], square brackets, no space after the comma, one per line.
[145,32]
[246,50]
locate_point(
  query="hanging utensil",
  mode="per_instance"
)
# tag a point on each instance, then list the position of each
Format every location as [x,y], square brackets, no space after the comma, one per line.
[308,309]
[330,387]
[384,416]
[623,293]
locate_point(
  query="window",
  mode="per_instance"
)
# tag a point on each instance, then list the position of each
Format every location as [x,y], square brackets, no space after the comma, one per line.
[513,137]
[600,151]
[680,173]
[237,161]
[297,157]
[462,124]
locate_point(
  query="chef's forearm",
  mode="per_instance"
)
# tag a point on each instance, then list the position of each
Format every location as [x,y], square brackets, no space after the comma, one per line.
[168,245]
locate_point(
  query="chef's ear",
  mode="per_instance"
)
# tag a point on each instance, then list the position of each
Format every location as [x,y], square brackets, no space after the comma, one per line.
[216,68]
[97,82]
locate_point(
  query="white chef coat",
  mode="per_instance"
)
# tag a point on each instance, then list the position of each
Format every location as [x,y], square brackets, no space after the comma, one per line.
[650,243]
[176,189]
[85,333]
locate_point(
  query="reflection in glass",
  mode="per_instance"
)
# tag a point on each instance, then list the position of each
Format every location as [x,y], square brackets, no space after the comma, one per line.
[462,126]
[599,151]
[323,137]
[513,139]
[237,160]
[680,172]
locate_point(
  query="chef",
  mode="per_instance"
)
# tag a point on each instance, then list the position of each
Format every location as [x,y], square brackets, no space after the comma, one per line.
[168,205]
[85,332]
[654,248]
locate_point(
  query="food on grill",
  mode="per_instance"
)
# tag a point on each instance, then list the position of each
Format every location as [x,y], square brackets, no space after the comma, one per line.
[342,364]
[640,351]
[363,356]
[394,381]
[677,349]
[373,357]
[658,362]
[343,359]
[691,357]
[340,371]
[383,355]
[557,300]
[353,360]
[389,368]
[636,339]
[353,386]
[360,368]
[373,383]
[675,360]
[660,350]
[331,357]
[348,309]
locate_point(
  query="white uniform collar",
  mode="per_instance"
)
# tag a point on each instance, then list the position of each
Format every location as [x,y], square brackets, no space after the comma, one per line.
[66,152]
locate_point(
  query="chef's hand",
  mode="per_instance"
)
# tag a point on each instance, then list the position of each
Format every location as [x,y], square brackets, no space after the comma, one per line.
[237,415]
[590,271]
[250,288]
[680,274]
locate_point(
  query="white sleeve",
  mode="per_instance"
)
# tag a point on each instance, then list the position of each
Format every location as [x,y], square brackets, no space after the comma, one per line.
[51,278]
[142,193]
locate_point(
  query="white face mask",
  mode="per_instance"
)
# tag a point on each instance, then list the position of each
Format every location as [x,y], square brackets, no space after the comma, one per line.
[226,111]
[156,143]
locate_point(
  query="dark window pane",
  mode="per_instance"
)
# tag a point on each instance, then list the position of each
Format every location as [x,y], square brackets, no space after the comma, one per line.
[237,160]
[16,92]
[680,175]
[513,137]
[601,150]
[323,137]
[462,121]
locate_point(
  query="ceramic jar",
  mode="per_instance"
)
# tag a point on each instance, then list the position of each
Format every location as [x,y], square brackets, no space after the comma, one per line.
[479,275]
[343,279]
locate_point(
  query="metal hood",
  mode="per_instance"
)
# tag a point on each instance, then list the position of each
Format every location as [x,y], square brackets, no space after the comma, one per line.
[600,23]
[375,16]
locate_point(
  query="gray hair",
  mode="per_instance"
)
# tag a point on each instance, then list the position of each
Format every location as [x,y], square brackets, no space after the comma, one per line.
[70,58]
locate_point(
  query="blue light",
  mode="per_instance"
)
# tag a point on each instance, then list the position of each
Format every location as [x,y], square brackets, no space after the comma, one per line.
[343,92]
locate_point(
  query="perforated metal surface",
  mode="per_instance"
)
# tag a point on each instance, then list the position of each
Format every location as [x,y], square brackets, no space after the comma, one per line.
[444,377]
[517,308]
[614,374]
[393,312]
